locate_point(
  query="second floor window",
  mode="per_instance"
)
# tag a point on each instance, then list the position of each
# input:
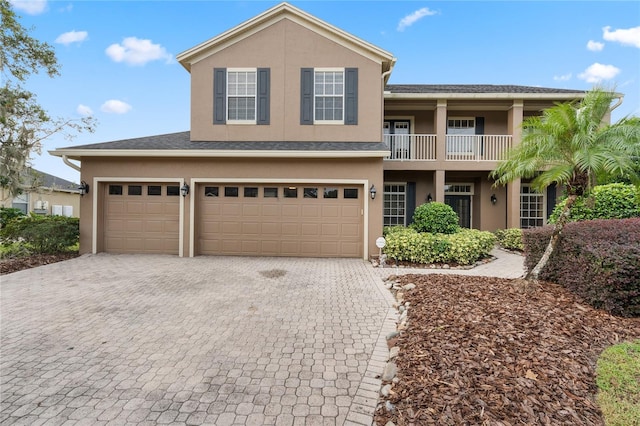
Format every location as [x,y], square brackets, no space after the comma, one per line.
[241,95]
[329,96]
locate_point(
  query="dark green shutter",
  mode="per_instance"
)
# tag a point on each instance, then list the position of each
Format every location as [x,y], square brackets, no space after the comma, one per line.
[351,96]
[264,88]
[306,96]
[480,131]
[411,202]
[551,198]
[219,95]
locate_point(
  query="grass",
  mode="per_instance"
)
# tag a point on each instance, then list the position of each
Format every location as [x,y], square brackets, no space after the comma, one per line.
[618,380]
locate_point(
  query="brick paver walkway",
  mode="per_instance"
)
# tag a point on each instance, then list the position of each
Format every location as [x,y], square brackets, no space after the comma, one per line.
[109,339]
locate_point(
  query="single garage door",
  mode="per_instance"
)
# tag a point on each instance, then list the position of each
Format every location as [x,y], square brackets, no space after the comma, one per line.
[141,217]
[276,220]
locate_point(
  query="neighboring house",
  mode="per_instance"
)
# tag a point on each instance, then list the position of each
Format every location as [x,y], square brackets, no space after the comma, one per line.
[298,147]
[44,194]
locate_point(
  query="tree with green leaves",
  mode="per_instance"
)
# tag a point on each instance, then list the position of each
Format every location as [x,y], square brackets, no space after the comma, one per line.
[24,124]
[571,145]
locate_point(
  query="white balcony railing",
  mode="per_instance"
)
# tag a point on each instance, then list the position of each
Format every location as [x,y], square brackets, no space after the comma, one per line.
[411,147]
[458,147]
[477,147]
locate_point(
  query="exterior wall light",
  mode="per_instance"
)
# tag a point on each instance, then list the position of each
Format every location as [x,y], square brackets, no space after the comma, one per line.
[429,198]
[83,188]
[494,199]
[373,191]
[184,190]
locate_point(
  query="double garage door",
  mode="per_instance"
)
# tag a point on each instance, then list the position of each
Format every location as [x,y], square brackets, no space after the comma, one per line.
[314,220]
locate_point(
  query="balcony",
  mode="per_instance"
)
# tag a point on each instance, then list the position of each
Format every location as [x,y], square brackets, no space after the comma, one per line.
[476,148]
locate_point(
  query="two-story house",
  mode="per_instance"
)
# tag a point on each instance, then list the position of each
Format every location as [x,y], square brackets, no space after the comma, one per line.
[298,147]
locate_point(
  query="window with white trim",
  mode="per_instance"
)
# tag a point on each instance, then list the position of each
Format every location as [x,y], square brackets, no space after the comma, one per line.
[395,204]
[532,209]
[241,95]
[328,96]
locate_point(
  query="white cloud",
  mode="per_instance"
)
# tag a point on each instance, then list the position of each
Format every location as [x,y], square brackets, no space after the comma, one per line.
[595,46]
[72,37]
[135,51]
[114,106]
[31,7]
[630,36]
[564,77]
[598,72]
[412,18]
[84,110]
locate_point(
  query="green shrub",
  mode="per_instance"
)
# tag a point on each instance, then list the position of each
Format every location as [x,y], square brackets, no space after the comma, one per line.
[435,218]
[43,234]
[612,201]
[464,247]
[510,239]
[7,214]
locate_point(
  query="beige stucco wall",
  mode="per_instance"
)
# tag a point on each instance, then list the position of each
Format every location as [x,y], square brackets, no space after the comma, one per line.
[285,47]
[229,168]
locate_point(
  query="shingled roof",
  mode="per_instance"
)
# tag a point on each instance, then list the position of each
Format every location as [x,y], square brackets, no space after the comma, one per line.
[182,141]
[473,88]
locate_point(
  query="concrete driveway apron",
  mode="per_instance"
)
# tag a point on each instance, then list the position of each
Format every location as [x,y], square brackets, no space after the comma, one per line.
[116,339]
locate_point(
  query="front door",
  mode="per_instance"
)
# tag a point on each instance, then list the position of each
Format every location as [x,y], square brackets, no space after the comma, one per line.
[461,204]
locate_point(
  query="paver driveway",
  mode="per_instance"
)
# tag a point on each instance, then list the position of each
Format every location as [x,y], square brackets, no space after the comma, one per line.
[114,339]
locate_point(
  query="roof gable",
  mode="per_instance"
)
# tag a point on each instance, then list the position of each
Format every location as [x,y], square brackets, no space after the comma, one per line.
[276,14]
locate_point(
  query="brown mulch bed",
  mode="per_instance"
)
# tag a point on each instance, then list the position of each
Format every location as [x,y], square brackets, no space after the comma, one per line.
[488,351]
[10,265]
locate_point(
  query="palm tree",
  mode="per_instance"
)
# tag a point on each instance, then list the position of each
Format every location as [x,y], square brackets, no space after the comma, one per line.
[570,144]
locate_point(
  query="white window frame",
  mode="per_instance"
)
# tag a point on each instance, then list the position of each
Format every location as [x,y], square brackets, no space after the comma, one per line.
[384,203]
[318,121]
[454,188]
[463,130]
[543,210]
[255,96]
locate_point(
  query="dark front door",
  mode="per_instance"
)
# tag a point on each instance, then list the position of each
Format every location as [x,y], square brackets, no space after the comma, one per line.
[461,204]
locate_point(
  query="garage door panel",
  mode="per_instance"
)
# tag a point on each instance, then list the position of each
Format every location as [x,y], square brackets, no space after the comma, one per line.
[271,228]
[330,229]
[290,229]
[249,210]
[231,210]
[141,223]
[135,207]
[290,211]
[309,229]
[271,210]
[251,228]
[315,227]
[330,211]
[310,211]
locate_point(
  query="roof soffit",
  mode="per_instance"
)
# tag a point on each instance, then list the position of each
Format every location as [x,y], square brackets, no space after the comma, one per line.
[274,15]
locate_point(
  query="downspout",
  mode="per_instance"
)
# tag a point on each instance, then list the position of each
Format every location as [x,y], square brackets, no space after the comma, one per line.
[70,164]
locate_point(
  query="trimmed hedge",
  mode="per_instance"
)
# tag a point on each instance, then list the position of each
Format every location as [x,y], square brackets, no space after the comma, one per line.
[43,234]
[7,214]
[435,218]
[510,239]
[599,260]
[464,247]
[612,201]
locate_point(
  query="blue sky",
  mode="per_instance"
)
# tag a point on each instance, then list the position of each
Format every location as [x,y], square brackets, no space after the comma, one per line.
[118,57]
